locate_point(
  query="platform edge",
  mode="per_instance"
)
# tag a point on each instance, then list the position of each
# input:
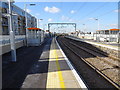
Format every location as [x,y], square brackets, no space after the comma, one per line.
[80,81]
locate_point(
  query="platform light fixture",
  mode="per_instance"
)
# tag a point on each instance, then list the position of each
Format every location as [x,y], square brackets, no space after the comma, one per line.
[38,24]
[26,20]
[98,22]
[98,26]
[84,27]
[32,4]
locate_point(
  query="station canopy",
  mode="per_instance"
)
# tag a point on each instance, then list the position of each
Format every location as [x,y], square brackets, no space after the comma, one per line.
[110,30]
[34,28]
[114,29]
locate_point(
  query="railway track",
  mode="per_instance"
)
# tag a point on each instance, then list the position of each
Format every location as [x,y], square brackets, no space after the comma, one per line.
[98,55]
[88,46]
[76,49]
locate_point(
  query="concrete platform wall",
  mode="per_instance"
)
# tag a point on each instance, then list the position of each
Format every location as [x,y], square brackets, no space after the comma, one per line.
[6,48]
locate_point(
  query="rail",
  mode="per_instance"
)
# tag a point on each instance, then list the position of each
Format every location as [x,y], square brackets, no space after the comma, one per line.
[92,66]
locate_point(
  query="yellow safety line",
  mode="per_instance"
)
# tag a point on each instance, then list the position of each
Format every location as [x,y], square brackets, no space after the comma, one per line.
[59,71]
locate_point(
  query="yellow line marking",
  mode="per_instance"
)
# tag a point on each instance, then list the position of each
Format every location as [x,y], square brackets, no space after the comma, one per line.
[54,78]
[59,71]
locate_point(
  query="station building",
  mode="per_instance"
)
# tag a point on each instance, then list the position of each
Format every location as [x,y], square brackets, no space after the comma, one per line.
[18,21]
[111,35]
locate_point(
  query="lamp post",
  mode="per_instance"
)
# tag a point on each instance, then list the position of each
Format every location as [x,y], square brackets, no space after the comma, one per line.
[27,20]
[98,23]
[39,23]
[12,34]
[44,27]
[98,26]
[84,29]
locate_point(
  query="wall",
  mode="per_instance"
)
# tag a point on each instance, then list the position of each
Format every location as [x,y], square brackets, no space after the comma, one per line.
[0,20]
[6,48]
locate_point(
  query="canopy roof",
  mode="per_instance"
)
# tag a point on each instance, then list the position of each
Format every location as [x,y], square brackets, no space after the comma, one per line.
[33,28]
[114,29]
[102,30]
[110,30]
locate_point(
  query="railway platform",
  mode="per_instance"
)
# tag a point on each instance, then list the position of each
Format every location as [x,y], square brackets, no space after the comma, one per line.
[47,66]
[109,45]
[59,72]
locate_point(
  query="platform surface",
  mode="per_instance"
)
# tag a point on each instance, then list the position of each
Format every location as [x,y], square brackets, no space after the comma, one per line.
[59,73]
[110,45]
[56,74]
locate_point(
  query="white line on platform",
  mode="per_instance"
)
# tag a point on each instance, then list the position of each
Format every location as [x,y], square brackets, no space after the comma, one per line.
[80,81]
[97,44]
[103,45]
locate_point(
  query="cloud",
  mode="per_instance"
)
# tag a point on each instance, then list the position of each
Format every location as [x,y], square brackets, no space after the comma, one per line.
[64,18]
[70,20]
[91,18]
[117,10]
[113,25]
[37,14]
[72,11]
[49,20]
[28,10]
[52,9]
